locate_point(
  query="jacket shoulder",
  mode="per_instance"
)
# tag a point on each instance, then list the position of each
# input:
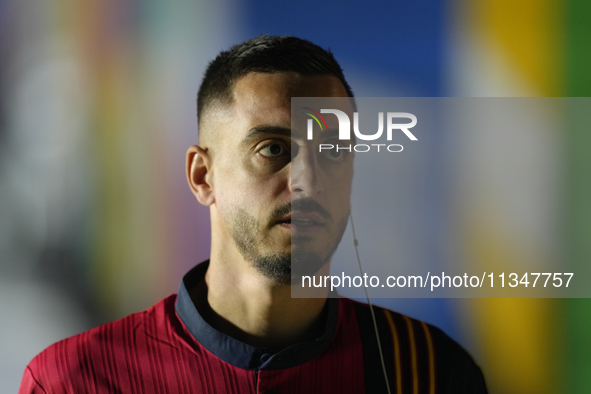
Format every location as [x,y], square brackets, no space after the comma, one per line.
[82,359]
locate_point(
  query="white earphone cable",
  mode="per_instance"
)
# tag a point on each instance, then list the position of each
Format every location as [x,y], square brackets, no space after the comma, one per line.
[373,316]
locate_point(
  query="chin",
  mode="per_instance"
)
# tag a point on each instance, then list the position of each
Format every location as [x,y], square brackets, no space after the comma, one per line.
[306,263]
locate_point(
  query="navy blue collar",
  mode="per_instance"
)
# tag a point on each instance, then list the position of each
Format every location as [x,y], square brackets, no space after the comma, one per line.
[240,354]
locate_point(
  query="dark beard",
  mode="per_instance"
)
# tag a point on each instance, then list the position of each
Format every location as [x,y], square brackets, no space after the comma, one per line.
[288,268]
[282,268]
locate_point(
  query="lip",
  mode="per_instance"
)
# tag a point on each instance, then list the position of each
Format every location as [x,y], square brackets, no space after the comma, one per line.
[302,221]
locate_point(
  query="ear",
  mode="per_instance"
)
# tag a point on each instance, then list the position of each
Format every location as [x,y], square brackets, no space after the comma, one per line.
[199,174]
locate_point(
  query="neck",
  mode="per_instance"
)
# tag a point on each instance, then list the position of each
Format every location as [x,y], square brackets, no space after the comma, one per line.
[239,301]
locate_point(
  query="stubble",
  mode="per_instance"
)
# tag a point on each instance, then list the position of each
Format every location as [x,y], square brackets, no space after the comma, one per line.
[284,268]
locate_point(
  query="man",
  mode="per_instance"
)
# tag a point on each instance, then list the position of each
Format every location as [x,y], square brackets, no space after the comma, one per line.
[234,327]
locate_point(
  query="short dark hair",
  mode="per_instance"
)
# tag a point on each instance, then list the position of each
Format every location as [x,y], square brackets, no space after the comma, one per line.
[266,54]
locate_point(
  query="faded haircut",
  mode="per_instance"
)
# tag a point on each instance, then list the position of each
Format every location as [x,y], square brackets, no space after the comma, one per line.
[265,54]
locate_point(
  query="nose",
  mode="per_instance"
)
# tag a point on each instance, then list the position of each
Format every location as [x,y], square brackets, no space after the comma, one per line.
[305,174]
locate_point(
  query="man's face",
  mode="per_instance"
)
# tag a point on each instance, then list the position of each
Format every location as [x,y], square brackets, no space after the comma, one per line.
[275,195]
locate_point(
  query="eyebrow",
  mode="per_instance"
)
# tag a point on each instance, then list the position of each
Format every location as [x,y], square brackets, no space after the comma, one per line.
[258,131]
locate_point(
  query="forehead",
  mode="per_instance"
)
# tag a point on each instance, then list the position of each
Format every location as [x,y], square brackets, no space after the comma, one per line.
[281,86]
[265,98]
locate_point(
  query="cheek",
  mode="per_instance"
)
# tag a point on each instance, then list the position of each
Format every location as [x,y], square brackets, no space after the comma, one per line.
[339,188]
[244,180]
[252,193]
[339,181]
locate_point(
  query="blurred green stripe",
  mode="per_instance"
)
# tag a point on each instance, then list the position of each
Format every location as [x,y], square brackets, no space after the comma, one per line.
[578,235]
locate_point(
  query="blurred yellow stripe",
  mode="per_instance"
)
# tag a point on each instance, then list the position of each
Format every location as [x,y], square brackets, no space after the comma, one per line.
[529,36]
[413,355]
[431,358]
[516,335]
[397,362]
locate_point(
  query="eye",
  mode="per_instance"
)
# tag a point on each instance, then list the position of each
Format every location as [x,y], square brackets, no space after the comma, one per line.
[332,154]
[274,149]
